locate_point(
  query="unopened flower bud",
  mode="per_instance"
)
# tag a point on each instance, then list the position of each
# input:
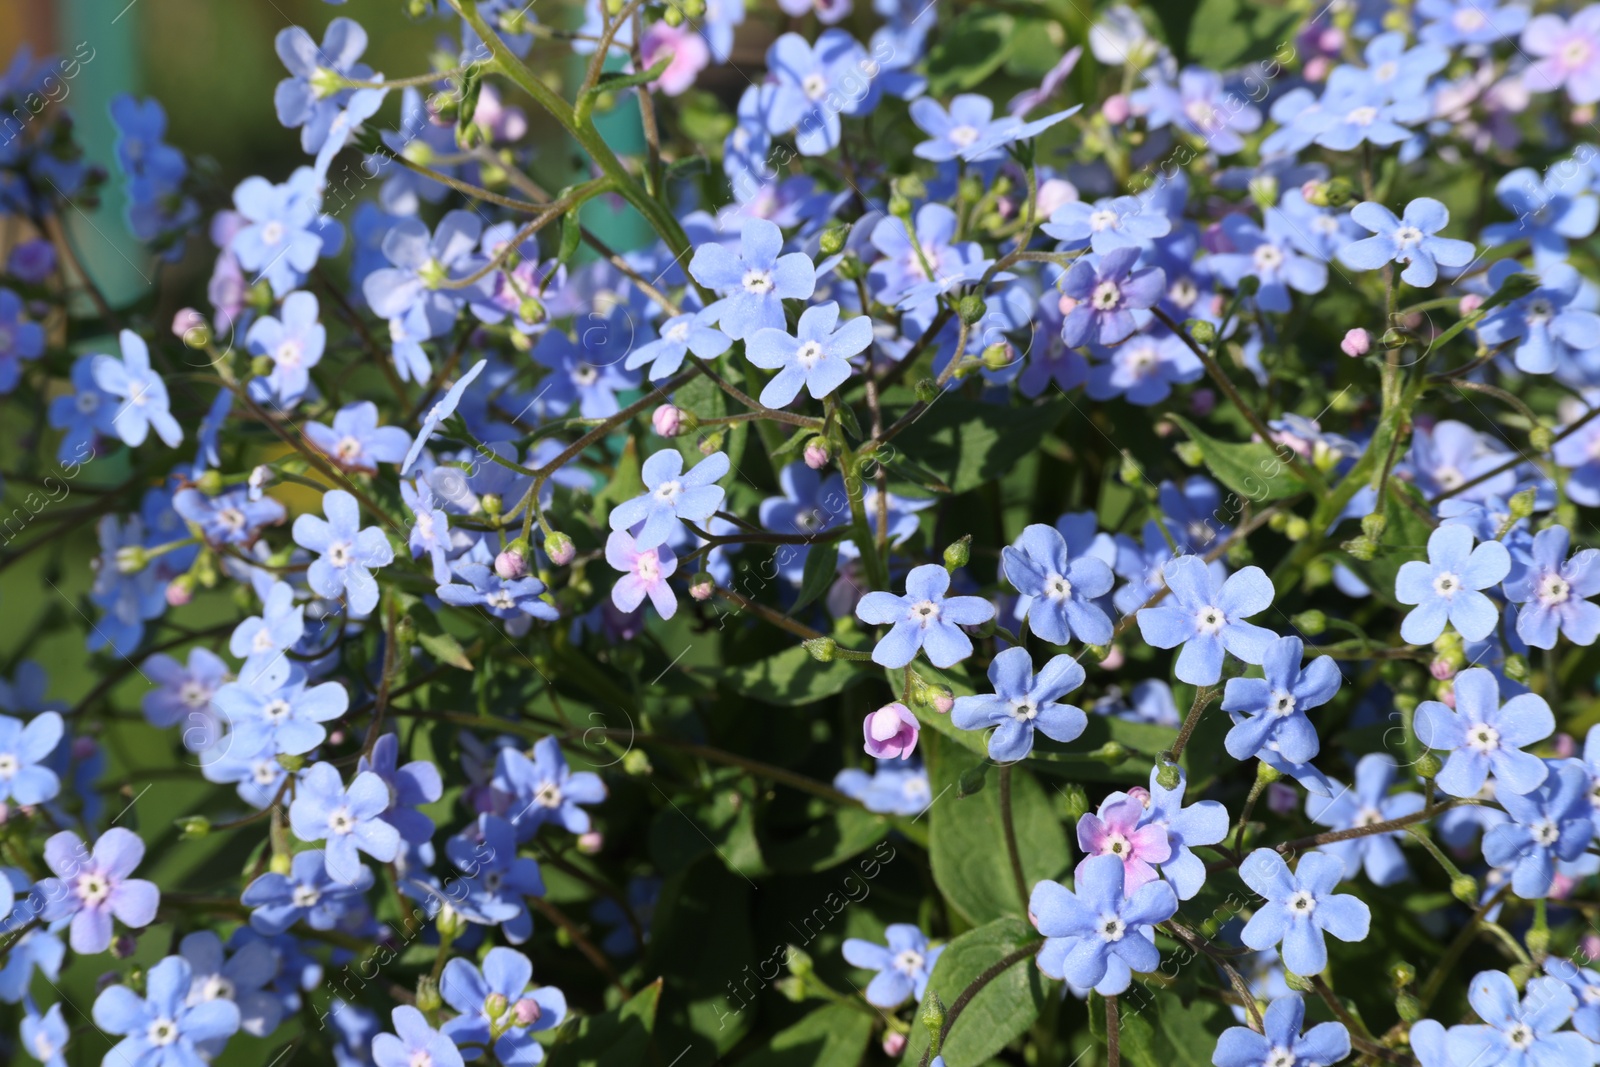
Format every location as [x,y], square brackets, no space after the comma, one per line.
[513,562]
[1338,191]
[1394,338]
[495,1005]
[590,843]
[1428,766]
[189,326]
[1408,1007]
[636,763]
[932,1016]
[1442,669]
[1267,773]
[428,996]
[927,390]
[124,946]
[998,356]
[816,453]
[180,591]
[1542,439]
[891,732]
[971,781]
[711,443]
[940,699]
[1072,802]
[1112,752]
[281,863]
[894,1043]
[1116,109]
[1201,330]
[1311,623]
[702,585]
[1464,888]
[292,764]
[261,366]
[526,1011]
[957,553]
[1168,776]
[1522,503]
[1516,668]
[822,649]
[559,547]
[131,559]
[972,309]
[667,420]
[1356,343]
[832,241]
[1469,304]
[194,826]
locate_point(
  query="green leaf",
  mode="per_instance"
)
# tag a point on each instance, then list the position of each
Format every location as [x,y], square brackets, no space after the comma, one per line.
[792,678]
[445,649]
[834,1036]
[704,399]
[966,837]
[1405,537]
[972,48]
[832,834]
[1254,470]
[822,566]
[617,1038]
[1001,1011]
[966,443]
[1158,1030]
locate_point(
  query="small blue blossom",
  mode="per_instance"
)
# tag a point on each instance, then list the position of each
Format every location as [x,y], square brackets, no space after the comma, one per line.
[1060,591]
[231,518]
[1548,329]
[239,978]
[1204,822]
[413,291]
[1446,588]
[1551,822]
[281,625]
[1482,736]
[141,390]
[414,1042]
[355,441]
[89,887]
[543,789]
[1208,618]
[1410,240]
[347,553]
[1519,1032]
[589,373]
[272,707]
[1281,1044]
[1553,591]
[1023,703]
[755,282]
[310,97]
[294,343]
[1367,803]
[817,356]
[23,748]
[496,881]
[1472,23]
[1451,454]
[1550,210]
[1115,222]
[517,600]
[430,533]
[185,695]
[1565,53]
[499,1008]
[1273,708]
[20,339]
[1279,256]
[306,894]
[348,821]
[903,965]
[45,1037]
[1113,299]
[1094,936]
[284,231]
[411,785]
[1585,986]
[923,618]
[814,84]
[163,1028]
[891,789]
[675,339]
[1301,907]
[954,133]
[1200,105]
[913,273]
[672,495]
[86,414]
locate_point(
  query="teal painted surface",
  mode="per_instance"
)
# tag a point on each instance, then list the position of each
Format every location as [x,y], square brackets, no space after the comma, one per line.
[117,263]
[608,218]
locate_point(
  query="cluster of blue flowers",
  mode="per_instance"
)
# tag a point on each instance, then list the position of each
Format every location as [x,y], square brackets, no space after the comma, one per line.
[407,528]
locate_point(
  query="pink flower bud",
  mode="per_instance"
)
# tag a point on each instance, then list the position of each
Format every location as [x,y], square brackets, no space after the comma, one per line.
[1448,697]
[336,737]
[84,748]
[1317,68]
[589,843]
[511,564]
[178,593]
[187,323]
[1116,109]
[1066,304]
[943,703]
[1114,659]
[1281,799]
[1141,794]
[702,589]
[1590,946]
[891,732]
[1054,192]
[1470,303]
[1202,402]
[816,455]
[893,1044]
[1330,40]
[1442,670]
[559,547]
[1356,343]
[526,1011]
[668,420]
[1566,747]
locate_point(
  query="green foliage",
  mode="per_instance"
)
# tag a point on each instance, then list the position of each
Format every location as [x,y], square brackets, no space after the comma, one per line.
[1001,1011]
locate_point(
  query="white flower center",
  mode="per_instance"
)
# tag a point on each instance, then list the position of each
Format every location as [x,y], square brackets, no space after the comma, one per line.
[1368,817]
[501,600]
[669,491]
[277,710]
[1553,589]
[1520,1036]
[338,554]
[1545,832]
[1056,587]
[262,642]
[1024,710]
[1447,584]
[757,281]
[908,962]
[548,795]
[1111,928]
[289,353]
[305,896]
[1103,220]
[348,448]
[162,1032]
[93,888]
[1183,292]
[341,822]
[815,86]
[648,567]
[1201,113]
[1540,311]
[925,613]
[216,988]
[271,232]
[264,772]
[962,136]
[1575,53]
[88,402]
[1279,1057]
[1210,620]
[678,333]
[1408,237]
[1365,115]
[1116,845]
[1107,296]
[1469,18]
[9,765]
[1281,703]
[809,355]
[1302,903]
[584,374]
[421,1058]
[1481,737]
